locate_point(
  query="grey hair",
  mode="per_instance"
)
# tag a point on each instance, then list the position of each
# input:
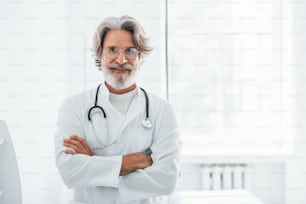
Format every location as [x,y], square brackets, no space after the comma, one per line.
[126,23]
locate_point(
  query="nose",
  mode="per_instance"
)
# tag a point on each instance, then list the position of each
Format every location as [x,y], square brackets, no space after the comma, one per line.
[121,58]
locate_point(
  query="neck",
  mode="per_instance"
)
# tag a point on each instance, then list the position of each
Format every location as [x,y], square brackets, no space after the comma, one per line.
[120,91]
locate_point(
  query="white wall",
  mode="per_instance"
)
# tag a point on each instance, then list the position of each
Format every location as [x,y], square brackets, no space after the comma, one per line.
[32,85]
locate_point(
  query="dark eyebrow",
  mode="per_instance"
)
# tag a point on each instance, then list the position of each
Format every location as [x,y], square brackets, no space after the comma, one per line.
[112,46]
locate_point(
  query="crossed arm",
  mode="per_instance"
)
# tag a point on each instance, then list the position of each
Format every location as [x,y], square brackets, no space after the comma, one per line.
[130,162]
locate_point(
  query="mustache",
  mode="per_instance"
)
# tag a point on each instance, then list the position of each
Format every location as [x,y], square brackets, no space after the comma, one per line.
[120,66]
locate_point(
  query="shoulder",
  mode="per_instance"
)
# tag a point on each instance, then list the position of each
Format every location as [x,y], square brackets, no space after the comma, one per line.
[156,99]
[162,112]
[78,101]
[158,103]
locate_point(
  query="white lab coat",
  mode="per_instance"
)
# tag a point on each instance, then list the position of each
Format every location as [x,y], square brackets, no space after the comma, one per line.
[96,179]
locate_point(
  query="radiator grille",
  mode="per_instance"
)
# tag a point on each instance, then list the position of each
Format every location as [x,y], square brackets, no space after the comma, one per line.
[225,176]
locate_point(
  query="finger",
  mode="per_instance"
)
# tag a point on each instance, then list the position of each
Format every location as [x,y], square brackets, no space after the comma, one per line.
[76,138]
[81,139]
[81,143]
[75,142]
[69,151]
[72,146]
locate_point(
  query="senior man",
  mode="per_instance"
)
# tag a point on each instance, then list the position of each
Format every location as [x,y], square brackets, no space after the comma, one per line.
[118,144]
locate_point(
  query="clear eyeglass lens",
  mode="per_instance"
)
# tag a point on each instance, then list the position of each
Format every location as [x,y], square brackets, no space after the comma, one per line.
[129,53]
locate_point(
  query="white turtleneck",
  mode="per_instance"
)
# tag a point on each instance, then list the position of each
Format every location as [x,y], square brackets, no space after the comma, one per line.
[122,102]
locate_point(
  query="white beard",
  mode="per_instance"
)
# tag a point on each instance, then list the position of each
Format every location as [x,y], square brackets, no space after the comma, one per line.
[119,81]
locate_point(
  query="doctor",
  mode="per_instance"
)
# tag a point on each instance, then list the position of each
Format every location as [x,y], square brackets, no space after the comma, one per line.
[118,144]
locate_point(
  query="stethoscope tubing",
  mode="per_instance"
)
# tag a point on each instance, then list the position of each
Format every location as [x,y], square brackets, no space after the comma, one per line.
[104,114]
[96,105]
[147,102]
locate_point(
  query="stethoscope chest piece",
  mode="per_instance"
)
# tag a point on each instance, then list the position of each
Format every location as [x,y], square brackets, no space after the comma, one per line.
[147,123]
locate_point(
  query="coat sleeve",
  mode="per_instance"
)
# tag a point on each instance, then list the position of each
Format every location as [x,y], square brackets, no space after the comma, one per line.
[161,177]
[80,170]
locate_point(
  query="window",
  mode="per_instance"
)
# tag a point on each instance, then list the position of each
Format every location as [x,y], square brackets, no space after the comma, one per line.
[231,82]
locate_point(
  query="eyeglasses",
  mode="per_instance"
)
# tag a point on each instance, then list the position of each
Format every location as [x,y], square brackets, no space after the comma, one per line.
[130,53]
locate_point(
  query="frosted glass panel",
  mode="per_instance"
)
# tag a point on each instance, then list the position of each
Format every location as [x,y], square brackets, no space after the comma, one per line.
[230,81]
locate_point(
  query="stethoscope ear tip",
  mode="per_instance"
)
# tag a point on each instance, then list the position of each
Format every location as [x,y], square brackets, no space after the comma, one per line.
[146,123]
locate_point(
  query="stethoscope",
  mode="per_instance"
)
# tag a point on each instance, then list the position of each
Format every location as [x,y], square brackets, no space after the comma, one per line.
[146,123]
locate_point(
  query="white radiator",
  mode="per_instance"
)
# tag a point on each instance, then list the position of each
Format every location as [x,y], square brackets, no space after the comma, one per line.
[225,176]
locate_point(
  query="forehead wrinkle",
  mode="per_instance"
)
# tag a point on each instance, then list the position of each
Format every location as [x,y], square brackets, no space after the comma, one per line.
[118,38]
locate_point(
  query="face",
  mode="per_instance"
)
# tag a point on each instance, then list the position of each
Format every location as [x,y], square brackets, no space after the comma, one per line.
[120,59]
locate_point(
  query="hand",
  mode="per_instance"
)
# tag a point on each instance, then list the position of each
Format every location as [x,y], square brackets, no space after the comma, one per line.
[132,162]
[77,145]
